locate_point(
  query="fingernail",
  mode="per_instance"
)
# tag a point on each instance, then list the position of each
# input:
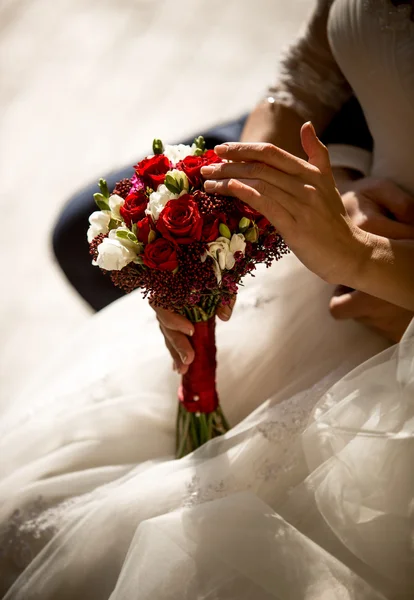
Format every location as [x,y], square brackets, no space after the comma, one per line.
[224,313]
[210,185]
[190,332]
[221,148]
[208,170]
[183,357]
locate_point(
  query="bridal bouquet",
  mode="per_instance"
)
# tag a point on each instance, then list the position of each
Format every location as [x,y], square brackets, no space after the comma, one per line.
[187,251]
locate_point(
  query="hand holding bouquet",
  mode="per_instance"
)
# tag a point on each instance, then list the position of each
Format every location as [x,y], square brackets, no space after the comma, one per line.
[188,251]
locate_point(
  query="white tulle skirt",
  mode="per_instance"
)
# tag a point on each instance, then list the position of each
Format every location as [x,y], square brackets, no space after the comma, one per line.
[309,496]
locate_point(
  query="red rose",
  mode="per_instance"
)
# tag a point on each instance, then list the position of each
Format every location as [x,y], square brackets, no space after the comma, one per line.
[191,166]
[134,207]
[247,211]
[210,230]
[153,170]
[143,229]
[161,255]
[180,221]
[262,224]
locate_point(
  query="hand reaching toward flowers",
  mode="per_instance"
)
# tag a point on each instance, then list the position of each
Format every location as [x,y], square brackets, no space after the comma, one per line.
[301,200]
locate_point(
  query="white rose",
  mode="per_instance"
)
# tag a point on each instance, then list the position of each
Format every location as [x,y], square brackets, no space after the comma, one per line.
[178,152]
[158,200]
[99,223]
[115,202]
[114,255]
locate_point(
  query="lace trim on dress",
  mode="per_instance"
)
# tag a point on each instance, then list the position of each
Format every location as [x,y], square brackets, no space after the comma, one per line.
[298,75]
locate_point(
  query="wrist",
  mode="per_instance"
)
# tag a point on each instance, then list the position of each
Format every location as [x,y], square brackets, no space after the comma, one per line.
[365,245]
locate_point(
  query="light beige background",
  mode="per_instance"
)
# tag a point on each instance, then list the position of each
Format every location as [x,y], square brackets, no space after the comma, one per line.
[85,86]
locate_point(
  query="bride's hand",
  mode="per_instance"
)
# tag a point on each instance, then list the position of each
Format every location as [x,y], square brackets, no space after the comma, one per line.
[177,332]
[298,197]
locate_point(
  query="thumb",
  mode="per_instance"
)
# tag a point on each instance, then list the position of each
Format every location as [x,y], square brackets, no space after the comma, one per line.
[318,154]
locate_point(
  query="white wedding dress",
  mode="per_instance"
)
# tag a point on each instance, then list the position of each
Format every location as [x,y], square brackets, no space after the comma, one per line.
[311,494]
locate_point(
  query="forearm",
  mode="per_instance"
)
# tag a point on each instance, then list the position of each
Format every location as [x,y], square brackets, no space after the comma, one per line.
[386,270]
[276,124]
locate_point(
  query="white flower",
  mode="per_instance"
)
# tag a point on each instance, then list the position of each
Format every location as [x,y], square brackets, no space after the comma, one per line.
[222,252]
[158,200]
[99,223]
[180,178]
[178,152]
[115,202]
[115,253]
[237,243]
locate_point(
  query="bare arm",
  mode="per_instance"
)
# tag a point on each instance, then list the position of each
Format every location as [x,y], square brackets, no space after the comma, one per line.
[387,270]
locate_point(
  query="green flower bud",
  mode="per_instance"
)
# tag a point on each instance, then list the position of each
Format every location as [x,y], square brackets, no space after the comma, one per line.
[152,236]
[132,237]
[103,186]
[225,231]
[244,224]
[252,234]
[157,146]
[172,184]
[101,202]
[200,143]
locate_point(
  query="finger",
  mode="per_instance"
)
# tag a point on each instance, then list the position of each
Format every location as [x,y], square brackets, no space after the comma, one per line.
[391,197]
[389,228]
[224,312]
[178,365]
[275,209]
[174,321]
[272,202]
[255,171]
[265,153]
[351,305]
[180,343]
[318,154]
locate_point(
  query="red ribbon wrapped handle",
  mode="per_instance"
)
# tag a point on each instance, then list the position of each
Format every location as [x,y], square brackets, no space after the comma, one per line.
[198,386]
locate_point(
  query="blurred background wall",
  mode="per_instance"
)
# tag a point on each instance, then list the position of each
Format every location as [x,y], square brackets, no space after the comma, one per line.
[85,85]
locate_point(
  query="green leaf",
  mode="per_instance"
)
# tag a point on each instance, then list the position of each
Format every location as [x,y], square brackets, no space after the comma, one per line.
[103,186]
[101,201]
[124,235]
[199,152]
[157,146]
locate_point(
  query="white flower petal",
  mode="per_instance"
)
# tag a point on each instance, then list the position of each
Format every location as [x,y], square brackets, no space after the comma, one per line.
[178,152]
[115,202]
[158,200]
[113,255]
[237,243]
[99,222]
